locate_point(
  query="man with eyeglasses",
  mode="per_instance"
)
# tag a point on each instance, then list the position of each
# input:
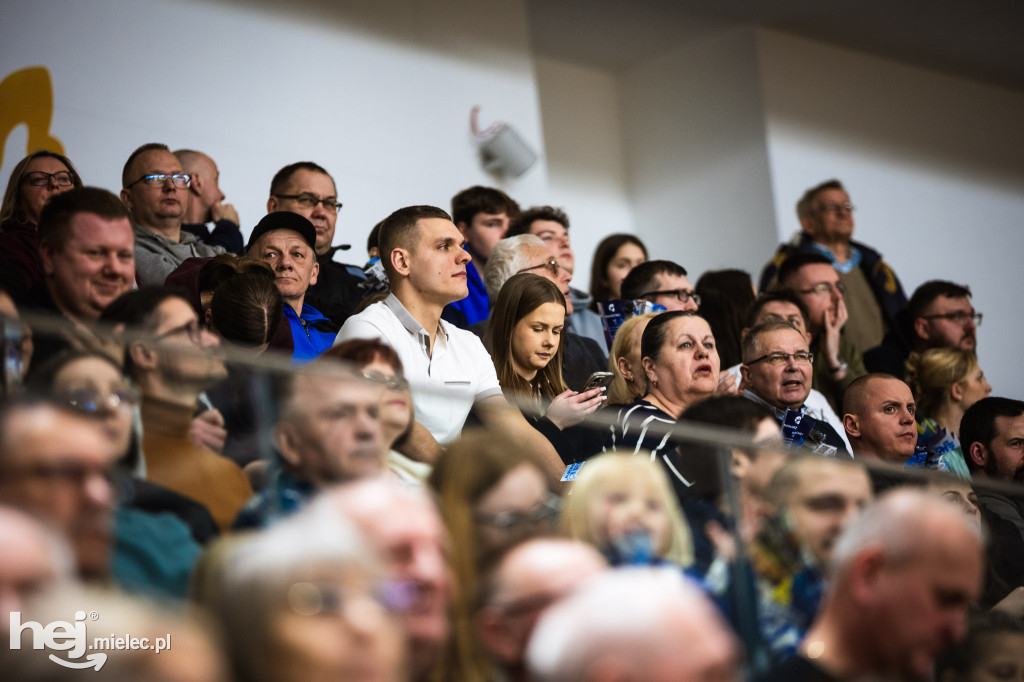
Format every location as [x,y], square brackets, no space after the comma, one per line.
[206,203]
[837,361]
[517,587]
[581,355]
[172,360]
[939,315]
[661,282]
[155,188]
[777,369]
[551,225]
[309,190]
[58,466]
[873,292]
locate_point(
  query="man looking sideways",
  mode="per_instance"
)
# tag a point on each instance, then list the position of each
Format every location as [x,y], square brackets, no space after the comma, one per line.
[449,370]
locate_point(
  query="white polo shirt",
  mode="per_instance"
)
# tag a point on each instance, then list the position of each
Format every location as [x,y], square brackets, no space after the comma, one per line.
[445,385]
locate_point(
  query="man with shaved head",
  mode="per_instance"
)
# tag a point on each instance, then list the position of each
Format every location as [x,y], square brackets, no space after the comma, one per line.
[878,414]
[206,203]
[904,573]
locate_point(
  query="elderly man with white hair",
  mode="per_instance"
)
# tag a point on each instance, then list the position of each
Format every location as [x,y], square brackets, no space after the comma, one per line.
[642,624]
[581,355]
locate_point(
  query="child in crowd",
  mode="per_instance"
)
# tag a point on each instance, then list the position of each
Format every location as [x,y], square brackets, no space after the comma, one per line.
[624,506]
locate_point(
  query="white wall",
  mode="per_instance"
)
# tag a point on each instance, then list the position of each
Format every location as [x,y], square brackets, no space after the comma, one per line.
[933,164]
[586,162]
[378,93]
[697,161]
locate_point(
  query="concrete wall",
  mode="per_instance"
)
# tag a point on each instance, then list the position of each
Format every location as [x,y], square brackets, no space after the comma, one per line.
[933,164]
[696,155]
[585,157]
[378,93]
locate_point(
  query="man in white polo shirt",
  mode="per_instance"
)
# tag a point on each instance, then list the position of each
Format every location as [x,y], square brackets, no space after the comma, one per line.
[448,369]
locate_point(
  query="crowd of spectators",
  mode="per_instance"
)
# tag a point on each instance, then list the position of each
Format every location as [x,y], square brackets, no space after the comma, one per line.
[447,463]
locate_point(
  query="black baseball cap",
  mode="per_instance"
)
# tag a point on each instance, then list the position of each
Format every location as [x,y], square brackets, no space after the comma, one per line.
[284,220]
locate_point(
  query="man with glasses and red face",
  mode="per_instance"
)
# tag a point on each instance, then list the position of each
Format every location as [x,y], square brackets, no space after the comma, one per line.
[874,295]
[309,190]
[939,315]
[156,191]
[776,369]
[837,361]
[57,465]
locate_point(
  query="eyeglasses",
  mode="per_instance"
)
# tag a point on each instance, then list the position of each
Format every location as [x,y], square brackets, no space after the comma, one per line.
[314,599]
[683,295]
[960,317]
[544,512]
[92,401]
[801,357]
[42,179]
[824,288]
[306,200]
[552,264]
[836,208]
[160,179]
[192,328]
[395,383]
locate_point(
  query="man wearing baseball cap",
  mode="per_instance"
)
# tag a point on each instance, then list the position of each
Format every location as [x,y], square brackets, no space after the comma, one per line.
[286,242]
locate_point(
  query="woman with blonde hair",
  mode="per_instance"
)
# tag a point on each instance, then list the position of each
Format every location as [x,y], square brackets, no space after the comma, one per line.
[629,382]
[625,507]
[945,381]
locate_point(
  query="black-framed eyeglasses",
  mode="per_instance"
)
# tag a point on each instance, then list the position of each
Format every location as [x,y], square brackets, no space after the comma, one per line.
[824,288]
[551,265]
[960,317]
[91,401]
[777,359]
[42,178]
[836,208]
[543,512]
[309,201]
[160,179]
[683,295]
[192,328]
[395,383]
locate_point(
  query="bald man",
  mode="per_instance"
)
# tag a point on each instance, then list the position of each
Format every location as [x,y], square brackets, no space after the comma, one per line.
[206,204]
[904,573]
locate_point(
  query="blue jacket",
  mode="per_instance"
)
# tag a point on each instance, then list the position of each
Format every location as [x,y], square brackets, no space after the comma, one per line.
[312,333]
[475,307]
